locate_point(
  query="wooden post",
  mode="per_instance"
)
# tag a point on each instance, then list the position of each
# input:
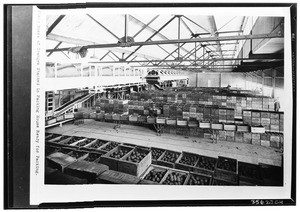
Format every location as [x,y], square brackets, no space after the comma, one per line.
[273,82]
[263,83]
[55,70]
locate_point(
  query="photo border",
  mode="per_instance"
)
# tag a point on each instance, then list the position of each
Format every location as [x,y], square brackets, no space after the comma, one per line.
[12,116]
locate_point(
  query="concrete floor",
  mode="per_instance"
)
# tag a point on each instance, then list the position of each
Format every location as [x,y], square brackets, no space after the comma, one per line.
[146,137]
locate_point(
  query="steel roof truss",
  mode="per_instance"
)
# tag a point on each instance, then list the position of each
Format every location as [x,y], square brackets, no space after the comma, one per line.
[140,46]
[110,32]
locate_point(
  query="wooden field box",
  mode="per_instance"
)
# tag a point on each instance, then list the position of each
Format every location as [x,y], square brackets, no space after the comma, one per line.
[94,145]
[100,116]
[274,115]
[205,125]
[60,118]
[249,174]
[51,121]
[58,140]
[265,143]
[226,169]
[258,129]
[93,115]
[153,175]
[142,119]
[180,179]
[94,156]
[205,165]
[73,140]
[59,160]
[108,117]
[124,118]
[48,135]
[160,120]
[133,118]
[66,150]
[221,182]
[171,121]
[86,115]
[126,165]
[111,161]
[129,144]
[217,126]
[51,149]
[69,116]
[109,146]
[115,177]
[156,153]
[243,128]
[198,179]
[186,161]
[181,122]
[272,175]
[58,178]
[168,158]
[78,155]
[193,123]
[231,127]
[84,142]
[151,120]
[86,170]
[52,137]
[116,117]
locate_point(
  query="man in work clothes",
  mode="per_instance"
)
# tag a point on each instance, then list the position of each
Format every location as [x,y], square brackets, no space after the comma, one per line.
[276,105]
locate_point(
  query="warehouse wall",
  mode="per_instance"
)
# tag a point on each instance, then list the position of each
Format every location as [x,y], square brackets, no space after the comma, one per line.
[273,87]
[234,79]
[217,80]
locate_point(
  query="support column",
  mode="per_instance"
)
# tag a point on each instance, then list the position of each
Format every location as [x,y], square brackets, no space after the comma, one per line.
[178,37]
[273,82]
[263,83]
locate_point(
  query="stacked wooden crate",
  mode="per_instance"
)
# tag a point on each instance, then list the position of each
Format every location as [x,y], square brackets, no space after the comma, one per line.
[271,121]
[112,105]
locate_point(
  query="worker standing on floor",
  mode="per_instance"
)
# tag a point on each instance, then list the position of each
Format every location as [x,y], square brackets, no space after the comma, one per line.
[215,136]
[276,105]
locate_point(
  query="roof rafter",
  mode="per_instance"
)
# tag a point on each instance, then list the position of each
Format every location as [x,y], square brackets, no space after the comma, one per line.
[110,32]
[59,43]
[145,25]
[55,23]
[140,46]
[213,38]
[150,28]
[214,30]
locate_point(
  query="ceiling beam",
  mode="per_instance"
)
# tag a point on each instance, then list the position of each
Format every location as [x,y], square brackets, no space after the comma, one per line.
[143,43]
[104,55]
[267,56]
[145,25]
[188,60]
[196,24]
[213,32]
[81,42]
[179,66]
[59,43]
[171,53]
[55,23]
[151,29]
[258,64]
[213,38]
[244,20]
[110,32]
